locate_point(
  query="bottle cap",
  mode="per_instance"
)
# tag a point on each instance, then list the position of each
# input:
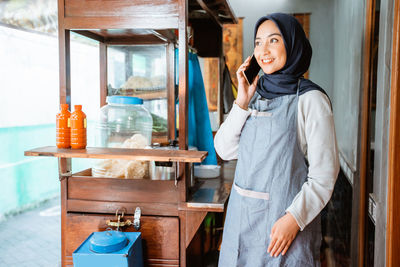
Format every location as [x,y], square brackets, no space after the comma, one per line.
[64,106]
[78,107]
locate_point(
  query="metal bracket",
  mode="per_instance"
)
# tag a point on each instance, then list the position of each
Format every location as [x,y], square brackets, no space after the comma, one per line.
[372,208]
[118,223]
[64,168]
[136,220]
[176,173]
[64,175]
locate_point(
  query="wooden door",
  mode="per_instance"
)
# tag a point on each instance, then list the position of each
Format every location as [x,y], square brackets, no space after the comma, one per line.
[393,200]
[366,229]
[383,250]
[304,19]
[232,37]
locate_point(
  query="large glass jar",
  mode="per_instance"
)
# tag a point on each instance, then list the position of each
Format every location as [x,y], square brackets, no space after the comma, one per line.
[121,119]
[123,123]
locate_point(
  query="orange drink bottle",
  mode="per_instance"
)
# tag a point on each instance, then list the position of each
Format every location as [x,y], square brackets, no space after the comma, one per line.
[78,128]
[63,129]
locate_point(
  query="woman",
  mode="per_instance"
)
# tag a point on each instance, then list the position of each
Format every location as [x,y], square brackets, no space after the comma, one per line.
[281,130]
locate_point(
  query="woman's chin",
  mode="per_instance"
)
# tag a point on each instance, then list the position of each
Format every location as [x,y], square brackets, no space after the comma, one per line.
[269,70]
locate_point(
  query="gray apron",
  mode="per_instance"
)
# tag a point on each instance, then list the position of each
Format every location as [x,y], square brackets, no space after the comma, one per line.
[270,171]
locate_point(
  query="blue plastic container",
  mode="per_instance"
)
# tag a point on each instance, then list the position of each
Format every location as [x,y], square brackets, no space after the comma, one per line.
[110,249]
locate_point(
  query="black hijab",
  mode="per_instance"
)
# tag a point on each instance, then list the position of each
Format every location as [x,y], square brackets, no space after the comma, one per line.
[298,58]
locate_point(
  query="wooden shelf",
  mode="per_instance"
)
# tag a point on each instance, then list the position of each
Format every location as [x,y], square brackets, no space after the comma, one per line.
[151,95]
[130,36]
[211,194]
[120,153]
[155,15]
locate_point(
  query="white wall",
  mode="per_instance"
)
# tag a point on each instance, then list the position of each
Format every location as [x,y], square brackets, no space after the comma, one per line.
[28,78]
[321,30]
[348,53]
[29,84]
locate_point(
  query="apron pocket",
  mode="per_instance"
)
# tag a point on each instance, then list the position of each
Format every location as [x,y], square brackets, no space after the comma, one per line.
[252,195]
[255,232]
[254,204]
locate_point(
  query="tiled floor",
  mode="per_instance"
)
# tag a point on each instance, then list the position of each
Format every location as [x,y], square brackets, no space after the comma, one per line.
[32,238]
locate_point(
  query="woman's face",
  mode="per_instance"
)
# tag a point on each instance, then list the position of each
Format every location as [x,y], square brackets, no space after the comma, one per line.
[269,48]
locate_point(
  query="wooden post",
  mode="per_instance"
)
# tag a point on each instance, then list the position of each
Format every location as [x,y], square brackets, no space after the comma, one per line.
[393,207]
[103,73]
[64,167]
[64,58]
[183,71]
[65,98]
[183,121]
[365,132]
[183,94]
[171,89]
[221,67]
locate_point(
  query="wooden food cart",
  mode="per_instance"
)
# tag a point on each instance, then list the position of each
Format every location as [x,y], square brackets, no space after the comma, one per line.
[171,211]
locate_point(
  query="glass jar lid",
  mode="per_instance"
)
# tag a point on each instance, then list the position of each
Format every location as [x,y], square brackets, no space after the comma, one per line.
[130,100]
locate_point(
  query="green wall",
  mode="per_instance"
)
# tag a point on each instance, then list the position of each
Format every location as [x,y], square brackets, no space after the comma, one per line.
[26,181]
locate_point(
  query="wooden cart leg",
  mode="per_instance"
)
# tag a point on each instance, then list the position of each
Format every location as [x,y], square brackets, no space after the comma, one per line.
[64,167]
[182,238]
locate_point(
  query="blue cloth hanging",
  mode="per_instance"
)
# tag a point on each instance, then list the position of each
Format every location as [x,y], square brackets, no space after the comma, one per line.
[199,126]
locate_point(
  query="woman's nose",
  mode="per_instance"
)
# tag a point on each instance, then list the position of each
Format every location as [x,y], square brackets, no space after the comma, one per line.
[265,49]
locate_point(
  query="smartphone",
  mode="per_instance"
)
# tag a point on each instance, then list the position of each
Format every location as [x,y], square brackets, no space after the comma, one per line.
[252,70]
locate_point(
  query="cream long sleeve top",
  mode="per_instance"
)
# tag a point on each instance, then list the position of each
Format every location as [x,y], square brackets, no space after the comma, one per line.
[316,135]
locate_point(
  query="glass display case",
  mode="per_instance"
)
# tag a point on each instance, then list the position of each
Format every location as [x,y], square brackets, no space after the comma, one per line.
[141,71]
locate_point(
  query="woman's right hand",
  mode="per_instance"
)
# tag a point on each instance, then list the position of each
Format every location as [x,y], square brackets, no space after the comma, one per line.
[245,90]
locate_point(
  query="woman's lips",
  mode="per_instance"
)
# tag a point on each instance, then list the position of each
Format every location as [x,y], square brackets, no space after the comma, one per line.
[267,60]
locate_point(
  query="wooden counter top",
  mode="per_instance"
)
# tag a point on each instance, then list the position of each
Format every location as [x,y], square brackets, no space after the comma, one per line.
[208,195]
[211,194]
[121,153]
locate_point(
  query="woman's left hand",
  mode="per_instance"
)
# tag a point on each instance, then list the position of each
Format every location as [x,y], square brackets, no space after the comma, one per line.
[282,235]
